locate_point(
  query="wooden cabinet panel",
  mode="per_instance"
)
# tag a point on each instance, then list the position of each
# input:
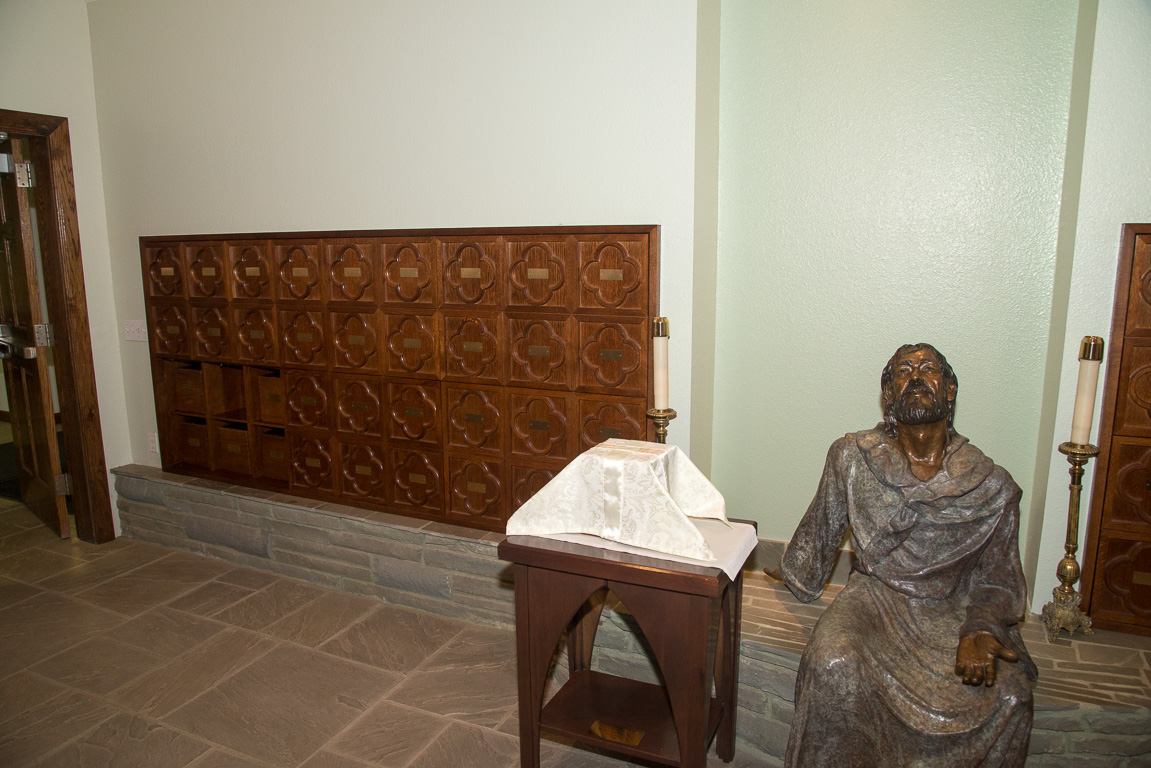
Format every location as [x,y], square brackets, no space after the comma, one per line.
[417,480]
[163,272]
[212,334]
[1122,591]
[474,272]
[303,338]
[613,274]
[601,420]
[256,335]
[252,270]
[358,405]
[541,425]
[169,330]
[1128,506]
[1133,408]
[355,341]
[444,374]
[474,348]
[308,399]
[299,271]
[363,471]
[411,345]
[613,356]
[206,271]
[411,273]
[352,271]
[476,420]
[475,490]
[1139,302]
[414,412]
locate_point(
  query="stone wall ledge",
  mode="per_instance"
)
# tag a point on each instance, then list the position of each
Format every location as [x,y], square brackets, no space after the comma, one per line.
[455,571]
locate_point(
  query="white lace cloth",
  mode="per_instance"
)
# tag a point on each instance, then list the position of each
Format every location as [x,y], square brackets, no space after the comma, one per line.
[628,491]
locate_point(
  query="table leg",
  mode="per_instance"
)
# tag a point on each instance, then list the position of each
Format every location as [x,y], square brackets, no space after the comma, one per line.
[727,667]
[676,628]
[581,636]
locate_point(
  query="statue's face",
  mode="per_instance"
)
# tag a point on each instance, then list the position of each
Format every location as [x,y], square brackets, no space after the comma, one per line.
[919,394]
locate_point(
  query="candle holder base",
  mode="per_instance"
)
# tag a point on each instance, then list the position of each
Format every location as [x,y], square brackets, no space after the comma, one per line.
[661,417]
[1063,613]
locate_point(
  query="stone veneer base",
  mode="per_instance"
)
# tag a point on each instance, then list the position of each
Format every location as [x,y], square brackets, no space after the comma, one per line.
[454,571]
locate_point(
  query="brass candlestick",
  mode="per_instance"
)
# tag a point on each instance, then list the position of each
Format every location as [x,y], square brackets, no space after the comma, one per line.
[1063,611]
[661,417]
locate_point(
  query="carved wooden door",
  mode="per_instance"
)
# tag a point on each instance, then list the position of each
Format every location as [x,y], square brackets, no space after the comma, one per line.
[1117,555]
[26,372]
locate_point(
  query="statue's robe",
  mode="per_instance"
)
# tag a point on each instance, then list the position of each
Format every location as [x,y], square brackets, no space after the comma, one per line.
[934,561]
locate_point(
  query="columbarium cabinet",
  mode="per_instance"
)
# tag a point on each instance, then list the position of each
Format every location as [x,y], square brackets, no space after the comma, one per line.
[441,374]
[1117,556]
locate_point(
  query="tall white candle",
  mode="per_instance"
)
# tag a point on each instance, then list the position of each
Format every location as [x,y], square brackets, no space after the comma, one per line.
[660,333]
[1090,357]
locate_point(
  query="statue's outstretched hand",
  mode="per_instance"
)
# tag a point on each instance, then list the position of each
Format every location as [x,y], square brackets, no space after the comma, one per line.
[976,655]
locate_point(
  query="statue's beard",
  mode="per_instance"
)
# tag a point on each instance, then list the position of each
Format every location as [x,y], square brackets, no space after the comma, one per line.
[910,411]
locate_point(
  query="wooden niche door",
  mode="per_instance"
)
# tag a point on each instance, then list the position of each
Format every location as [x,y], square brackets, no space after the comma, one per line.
[1117,556]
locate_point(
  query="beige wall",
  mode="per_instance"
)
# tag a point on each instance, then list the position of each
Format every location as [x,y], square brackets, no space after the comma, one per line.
[273,115]
[46,68]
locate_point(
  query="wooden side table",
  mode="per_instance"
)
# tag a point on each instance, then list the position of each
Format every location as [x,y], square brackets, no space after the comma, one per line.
[560,588]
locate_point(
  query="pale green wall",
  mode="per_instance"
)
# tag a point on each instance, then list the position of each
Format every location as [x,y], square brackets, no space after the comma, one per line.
[271,115]
[46,68]
[890,172]
[1115,189]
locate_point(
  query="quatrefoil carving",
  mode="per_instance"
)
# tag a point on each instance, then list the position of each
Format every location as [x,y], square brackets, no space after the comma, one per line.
[473,288]
[355,341]
[528,483]
[475,420]
[351,274]
[300,272]
[527,287]
[408,273]
[250,270]
[362,470]
[413,413]
[307,401]
[171,331]
[257,335]
[312,463]
[206,270]
[411,345]
[165,272]
[1132,560]
[304,338]
[611,293]
[611,336]
[475,488]
[527,347]
[358,407]
[212,333]
[610,416]
[463,357]
[416,480]
[528,421]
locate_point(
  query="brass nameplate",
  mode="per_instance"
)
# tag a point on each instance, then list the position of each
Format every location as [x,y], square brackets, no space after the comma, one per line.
[356,341]
[412,343]
[208,271]
[473,346]
[610,432]
[352,272]
[299,271]
[256,334]
[469,273]
[233,448]
[173,329]
[538,274]
[359,406]
[167,271]
[308,400]
[535,350]
[275,454]
[303,337]
[194,442]
[474,418]
[611,354]
[611,274]
[252,271]
[272,398]
[312,462]
[477,488]
[409,272]
[1142,578]
[539,425]
[418,479]
[363,469]
[616,733]
[415,412]
[212,331]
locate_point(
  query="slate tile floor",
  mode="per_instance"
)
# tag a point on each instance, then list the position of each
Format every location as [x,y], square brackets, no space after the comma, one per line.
[129,654]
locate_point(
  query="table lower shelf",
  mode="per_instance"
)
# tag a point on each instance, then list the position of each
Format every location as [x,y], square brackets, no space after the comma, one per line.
[622,705]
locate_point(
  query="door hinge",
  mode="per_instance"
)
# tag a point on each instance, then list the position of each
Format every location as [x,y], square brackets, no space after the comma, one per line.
[63,484]
[45,336]
[24,176]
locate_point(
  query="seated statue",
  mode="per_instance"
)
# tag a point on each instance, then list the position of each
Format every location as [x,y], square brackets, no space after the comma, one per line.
[906,667]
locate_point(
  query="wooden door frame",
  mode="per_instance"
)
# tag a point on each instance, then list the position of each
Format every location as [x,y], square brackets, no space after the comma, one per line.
[63,268]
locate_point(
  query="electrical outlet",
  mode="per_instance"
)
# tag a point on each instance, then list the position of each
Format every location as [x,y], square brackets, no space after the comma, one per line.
[153,442]
[134,331]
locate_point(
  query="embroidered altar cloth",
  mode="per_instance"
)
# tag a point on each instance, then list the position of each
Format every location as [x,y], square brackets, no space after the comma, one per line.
[628,491]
